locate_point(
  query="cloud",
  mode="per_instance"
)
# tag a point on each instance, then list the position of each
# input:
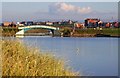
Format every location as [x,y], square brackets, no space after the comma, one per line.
[68,8]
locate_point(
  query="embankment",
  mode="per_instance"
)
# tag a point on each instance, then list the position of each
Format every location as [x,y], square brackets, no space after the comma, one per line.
[89,32]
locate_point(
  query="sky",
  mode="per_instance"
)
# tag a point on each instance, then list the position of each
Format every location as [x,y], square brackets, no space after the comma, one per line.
[77,11]
[0,12]
[60,0]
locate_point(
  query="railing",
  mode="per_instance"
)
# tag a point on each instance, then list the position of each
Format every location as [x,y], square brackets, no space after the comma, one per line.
[39,26]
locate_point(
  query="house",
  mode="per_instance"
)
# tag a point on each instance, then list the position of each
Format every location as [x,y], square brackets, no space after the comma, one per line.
[6,24]
[18,24]
[79,25]
[49,23]
[116,24]
[92,22]
[70,22]
[107,25]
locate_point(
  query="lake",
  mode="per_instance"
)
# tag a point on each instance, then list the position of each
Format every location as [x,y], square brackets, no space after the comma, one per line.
[90,56]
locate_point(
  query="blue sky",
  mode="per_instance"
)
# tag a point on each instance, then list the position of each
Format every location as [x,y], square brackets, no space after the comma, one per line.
[60,0]
[78,11]
[0,11]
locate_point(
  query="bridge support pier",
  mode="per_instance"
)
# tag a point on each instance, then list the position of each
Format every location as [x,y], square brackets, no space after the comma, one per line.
[52,33]
[20,34]
[55,33]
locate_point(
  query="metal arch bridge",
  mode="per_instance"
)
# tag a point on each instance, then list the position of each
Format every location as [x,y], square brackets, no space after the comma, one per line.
[26,28]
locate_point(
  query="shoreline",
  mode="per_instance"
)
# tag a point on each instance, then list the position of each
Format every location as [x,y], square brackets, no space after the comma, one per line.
[95,35]
[71,36]
[74,35]
[107,32]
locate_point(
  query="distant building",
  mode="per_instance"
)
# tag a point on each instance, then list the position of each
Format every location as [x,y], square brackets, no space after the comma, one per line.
[18,24]
[67,22]
[108,25]
[116,25]
[29,23]
[6,24]
[70,22]
[79,25]
[49,23]
[13,24]
[26,23]
[40,23]
[56,23]
[23,22]
[92,22]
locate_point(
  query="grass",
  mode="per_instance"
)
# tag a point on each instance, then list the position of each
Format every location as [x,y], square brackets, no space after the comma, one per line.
[8,31]
[108,31]
[18,60]
[112,31]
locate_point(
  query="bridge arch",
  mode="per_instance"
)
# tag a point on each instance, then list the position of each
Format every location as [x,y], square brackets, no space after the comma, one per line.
[26,28]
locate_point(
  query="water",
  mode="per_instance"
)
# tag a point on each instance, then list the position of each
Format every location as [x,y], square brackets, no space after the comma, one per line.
[89,56]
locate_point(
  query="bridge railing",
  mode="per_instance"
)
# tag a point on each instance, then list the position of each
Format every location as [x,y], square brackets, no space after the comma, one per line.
[39,26]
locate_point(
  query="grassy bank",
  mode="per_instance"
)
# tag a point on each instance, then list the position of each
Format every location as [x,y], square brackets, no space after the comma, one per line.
[91,32]
[18,60]
[9,31]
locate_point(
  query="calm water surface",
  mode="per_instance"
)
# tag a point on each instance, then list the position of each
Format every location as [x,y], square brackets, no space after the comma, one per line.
[89,56]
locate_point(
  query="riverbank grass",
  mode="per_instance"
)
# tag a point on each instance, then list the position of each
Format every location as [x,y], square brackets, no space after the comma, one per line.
[18,60]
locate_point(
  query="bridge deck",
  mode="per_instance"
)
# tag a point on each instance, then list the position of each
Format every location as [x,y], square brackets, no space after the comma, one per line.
[26,28]
[39,26]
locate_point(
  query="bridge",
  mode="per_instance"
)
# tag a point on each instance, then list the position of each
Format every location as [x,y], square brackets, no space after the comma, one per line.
[26,28]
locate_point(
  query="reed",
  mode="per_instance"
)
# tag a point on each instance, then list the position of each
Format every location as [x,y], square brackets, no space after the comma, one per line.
[20,60]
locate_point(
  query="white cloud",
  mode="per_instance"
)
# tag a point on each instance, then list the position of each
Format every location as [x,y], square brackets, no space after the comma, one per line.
[68,8]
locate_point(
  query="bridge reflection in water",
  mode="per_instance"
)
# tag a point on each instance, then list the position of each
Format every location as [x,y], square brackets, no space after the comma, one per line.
[21,33]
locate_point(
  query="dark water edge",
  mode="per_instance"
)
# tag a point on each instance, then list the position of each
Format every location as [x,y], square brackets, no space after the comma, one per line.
[104,35]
